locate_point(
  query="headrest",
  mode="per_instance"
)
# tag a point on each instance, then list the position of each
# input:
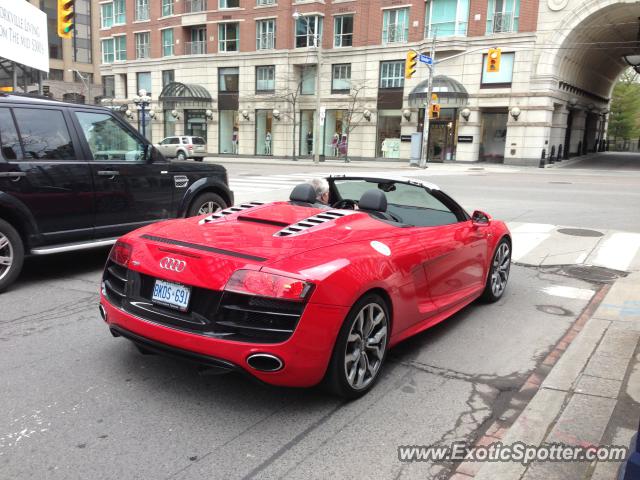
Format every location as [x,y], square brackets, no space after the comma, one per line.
[303,193]
[373,200]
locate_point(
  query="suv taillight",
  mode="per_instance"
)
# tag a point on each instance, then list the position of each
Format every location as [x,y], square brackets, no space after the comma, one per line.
[190,147]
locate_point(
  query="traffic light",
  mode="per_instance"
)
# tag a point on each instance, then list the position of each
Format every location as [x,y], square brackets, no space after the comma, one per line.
[410,64]
[435,110]
[66,12]
[493,60]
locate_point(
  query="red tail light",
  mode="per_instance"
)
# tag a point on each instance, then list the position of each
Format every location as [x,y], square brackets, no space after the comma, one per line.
[268,285]
[190,147]
[121,253]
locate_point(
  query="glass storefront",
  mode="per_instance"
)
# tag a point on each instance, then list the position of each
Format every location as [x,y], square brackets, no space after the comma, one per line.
[169,124]
[494,136]
[335,133]
[195,123]
[228,133]
[307,140]
[388,144]
[264,132]
[442,135]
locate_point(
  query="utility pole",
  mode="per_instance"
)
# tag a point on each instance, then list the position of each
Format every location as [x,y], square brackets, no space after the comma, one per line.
[424,157]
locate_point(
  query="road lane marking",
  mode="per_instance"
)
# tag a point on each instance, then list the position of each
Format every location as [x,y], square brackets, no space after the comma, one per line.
[569,292]
[617,251]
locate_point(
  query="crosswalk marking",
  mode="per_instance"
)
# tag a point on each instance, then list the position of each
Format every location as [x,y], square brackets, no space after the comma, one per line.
[608,253]
[527,236]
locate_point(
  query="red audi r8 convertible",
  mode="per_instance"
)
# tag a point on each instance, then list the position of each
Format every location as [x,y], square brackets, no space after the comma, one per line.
[296,293]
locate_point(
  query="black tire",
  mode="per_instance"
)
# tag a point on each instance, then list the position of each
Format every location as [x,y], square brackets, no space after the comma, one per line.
[181,156]
[208,198]
[337,378]
[199,159]
[500,263]
[10,247]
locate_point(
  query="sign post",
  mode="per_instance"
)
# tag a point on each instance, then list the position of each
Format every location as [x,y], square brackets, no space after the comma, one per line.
[424,157]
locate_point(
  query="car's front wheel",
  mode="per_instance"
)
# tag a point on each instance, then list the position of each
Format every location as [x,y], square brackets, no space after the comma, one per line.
[11,254]
[360,349]
[499,272]
[206,203]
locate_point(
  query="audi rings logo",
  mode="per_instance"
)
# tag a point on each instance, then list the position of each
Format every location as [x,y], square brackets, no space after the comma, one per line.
[173,264]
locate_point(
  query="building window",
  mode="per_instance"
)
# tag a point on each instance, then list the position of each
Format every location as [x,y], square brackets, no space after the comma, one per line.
[228,37]
[106,14]
[119,12]
[142,10]
[168,76]
[167,42]
[307,30]
[265,2]
[142,45]
[50,7]
[395,26]
[392,74]
[447,18]
[229,3]
[341,78]
[266,34]
[121,48]
[266,78]
[503,16]
[109,86]
[228,79]
[194,6]
[167,8]
[343,31]
[107,50]
[501,79]
[198,43]
[143,80]
[55,74]
[308,77]
[82,51]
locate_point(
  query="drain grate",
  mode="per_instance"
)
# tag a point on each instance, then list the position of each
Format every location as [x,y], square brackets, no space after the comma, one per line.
[580,232]
[592,274]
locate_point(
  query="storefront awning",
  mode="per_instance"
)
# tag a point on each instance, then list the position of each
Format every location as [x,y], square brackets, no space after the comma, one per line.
[185,95]
[451,93]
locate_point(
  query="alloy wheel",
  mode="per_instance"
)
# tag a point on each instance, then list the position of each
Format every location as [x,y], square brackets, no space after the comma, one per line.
[366,345]
[208,208]
[501,267]
[6,255]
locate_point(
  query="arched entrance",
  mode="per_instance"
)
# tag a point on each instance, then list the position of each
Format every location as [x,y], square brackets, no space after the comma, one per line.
[186,102]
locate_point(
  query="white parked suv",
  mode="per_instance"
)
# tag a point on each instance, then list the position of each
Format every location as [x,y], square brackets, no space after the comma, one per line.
[183,147]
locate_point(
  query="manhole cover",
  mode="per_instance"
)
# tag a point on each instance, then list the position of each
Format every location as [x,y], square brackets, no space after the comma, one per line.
[561,183]
[592,274]
[580,232]
[554,310]
[476,168]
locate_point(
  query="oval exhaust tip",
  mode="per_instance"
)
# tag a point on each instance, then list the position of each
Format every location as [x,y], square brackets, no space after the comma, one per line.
[103,313]
[265,362]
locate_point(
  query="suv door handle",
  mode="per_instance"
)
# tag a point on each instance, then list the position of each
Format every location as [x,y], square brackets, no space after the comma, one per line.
[12,174]
[108,173]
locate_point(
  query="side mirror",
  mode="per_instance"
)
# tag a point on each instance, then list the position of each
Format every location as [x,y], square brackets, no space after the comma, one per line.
[480,219]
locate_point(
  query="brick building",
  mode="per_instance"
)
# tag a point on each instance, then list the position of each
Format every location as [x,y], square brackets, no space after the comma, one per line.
[242,73]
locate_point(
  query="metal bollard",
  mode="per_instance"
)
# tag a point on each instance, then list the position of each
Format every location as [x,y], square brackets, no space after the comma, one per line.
[559,158]
[542,158]
[552,154]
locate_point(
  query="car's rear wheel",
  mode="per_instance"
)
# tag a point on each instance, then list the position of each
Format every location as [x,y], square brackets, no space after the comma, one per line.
[499,272]
[181,156]
[11,255]
[206,203]
[360,349]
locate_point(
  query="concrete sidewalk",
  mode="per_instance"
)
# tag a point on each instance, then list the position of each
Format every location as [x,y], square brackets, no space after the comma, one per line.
[591,396]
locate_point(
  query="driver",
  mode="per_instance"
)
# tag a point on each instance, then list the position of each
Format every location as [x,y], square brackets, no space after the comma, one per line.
[321,186]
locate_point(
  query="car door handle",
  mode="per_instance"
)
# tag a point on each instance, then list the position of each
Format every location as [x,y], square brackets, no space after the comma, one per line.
[108,173]
[13,174]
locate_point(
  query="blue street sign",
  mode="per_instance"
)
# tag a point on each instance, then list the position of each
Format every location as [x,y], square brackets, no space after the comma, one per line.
[425,59]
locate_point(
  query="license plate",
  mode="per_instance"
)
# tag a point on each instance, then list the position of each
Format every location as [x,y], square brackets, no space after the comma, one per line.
[171,294]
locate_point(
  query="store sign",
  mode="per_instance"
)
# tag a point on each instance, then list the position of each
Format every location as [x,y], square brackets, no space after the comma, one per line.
[465,138]
[23,34]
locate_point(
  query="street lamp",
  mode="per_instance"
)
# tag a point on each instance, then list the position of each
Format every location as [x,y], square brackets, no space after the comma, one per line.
[85,81]
[142,101]
[317,43]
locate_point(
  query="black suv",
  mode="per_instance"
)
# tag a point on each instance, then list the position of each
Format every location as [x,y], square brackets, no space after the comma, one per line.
[76,176]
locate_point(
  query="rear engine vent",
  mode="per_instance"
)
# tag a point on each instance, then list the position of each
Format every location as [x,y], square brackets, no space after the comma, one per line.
[114,280]
[229,211]
[307,223]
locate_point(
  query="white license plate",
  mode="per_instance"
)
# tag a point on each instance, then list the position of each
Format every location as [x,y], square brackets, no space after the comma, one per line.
[171,294]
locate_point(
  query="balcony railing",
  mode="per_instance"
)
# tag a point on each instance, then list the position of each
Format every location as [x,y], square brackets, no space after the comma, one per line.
[195,6]
[266,41]
[195,48]
[396,34]
[503,22]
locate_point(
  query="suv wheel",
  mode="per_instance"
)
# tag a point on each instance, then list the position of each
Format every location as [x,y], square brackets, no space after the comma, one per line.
[206,203]
[181,155]
[11,254]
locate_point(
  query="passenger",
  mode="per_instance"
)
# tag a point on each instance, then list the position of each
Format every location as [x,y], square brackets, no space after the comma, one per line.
[321,186]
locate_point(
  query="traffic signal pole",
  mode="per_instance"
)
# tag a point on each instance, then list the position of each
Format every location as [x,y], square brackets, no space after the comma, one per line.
[424,156]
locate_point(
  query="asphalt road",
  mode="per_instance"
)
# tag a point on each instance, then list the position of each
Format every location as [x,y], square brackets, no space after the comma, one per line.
[78,403]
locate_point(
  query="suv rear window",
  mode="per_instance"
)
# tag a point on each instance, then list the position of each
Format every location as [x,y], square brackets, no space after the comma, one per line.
[198,141]
[44,134]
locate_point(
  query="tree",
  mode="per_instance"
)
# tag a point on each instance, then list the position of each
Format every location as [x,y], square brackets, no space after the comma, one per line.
[354,107]
[624,119]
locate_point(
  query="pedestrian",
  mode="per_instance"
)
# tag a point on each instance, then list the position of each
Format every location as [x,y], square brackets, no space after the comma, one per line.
[234,140]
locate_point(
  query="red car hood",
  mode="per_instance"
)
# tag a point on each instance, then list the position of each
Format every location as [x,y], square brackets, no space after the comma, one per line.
[247,239]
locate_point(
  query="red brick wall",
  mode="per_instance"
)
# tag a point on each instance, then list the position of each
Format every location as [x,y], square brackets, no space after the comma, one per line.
[528,15]
[477,28]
